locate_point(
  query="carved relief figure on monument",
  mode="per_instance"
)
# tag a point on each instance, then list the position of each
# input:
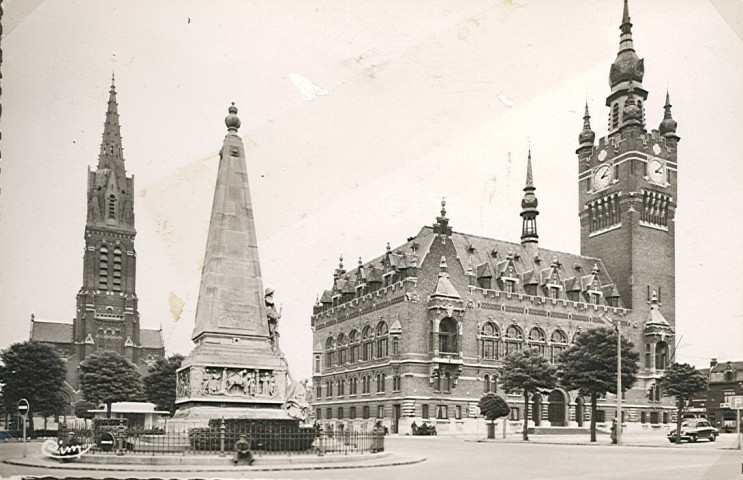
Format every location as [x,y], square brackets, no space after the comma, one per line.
[183,384]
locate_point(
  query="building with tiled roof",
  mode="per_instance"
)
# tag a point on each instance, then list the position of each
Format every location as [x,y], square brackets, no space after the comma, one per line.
[725,381]
[107,317]
[419,333]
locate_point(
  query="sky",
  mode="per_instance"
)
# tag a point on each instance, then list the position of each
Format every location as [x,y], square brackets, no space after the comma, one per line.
[358,117]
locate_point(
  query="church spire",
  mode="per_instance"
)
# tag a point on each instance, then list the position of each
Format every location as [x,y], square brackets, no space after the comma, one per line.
[529,211]
[111,155]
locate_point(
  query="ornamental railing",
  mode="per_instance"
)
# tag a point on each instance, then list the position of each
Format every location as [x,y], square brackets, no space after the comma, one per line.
[221,441]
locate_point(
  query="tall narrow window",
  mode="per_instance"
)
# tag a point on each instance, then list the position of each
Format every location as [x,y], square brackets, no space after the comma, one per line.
[559,342]
[382,340]
[366,344]
[489,341]
[117,270]
[112,207]
[353,342]
[342,350]
[329,351]
[537,340]
[103,268]
[448,336]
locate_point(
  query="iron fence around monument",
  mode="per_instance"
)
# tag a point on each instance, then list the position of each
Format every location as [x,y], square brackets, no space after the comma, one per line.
[221,441]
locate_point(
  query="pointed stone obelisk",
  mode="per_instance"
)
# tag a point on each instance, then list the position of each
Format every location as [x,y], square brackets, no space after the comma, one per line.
[235,370]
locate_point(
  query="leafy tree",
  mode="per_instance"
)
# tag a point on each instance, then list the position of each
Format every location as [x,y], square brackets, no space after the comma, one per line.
[683,382]
[590,366]
[33,371]
[82,409]
[493,407]
[527,371]
[108,377]
[160,381]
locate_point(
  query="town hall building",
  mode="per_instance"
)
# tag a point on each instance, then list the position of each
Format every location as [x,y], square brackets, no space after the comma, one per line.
[419,333]
[107,317]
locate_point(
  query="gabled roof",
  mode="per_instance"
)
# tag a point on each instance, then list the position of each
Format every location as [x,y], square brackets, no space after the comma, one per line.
[531,278]
[51,332]
[484,270]
[150,338]
[326,297]
[723,366]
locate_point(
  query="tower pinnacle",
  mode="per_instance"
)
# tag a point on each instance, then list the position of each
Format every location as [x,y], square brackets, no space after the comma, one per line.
[587,136]
[668,124]
[529,210]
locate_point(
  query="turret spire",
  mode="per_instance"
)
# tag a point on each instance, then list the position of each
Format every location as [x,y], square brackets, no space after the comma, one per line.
[668,124]
[587,136]
[529,208]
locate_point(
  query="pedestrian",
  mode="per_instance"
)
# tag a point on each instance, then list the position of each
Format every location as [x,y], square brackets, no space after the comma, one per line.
[242,451]
[613,434]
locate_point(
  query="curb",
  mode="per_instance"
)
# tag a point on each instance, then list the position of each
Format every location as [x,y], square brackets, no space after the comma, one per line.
[392,461]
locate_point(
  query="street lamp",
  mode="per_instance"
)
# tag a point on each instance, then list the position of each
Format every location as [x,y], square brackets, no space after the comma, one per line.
[615,324]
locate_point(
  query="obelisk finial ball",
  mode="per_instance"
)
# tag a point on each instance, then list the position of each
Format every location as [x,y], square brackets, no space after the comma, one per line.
[232,120]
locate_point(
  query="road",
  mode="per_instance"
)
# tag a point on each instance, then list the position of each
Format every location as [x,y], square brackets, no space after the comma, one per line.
[463,459]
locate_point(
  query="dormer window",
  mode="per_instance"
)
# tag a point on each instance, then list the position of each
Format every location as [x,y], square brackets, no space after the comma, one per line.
[530,290]
[509,285]
[485,282]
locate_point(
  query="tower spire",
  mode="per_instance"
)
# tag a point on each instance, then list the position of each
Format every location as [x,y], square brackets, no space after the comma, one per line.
[529,211]
[627,68]
[111,155]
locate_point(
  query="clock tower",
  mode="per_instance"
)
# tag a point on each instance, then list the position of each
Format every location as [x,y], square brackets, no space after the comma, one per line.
[627,189]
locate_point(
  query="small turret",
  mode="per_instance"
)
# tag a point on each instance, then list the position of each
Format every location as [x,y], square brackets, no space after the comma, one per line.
[529,212]
[586,136]
[668,125]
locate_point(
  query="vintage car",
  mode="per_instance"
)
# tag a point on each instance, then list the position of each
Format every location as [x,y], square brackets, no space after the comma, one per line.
[693,429]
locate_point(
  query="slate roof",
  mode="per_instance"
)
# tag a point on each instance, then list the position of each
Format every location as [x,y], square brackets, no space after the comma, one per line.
[150,338]
[51,332]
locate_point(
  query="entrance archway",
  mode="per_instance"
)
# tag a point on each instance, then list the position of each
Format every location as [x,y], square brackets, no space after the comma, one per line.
[556,411]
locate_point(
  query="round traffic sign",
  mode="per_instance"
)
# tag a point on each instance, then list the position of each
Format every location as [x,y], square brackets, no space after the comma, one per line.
[107,441]
[23,406]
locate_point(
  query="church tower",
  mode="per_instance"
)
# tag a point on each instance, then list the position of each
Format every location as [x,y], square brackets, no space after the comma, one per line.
[107,318]
[627,189]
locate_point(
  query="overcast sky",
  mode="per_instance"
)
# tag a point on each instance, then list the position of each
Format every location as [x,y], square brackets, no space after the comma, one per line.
[357,118]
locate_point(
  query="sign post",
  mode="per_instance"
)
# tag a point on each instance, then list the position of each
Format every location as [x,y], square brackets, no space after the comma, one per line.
[23,408]
[736,403]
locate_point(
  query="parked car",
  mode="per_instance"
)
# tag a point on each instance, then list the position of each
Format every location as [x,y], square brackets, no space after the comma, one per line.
[693,429]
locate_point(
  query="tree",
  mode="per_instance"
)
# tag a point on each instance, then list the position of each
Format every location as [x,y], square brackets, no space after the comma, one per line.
[527,371]
[493,407]
[683,382]
[160,382]
[590,366]
[33,371]
[83,408]
[108,377]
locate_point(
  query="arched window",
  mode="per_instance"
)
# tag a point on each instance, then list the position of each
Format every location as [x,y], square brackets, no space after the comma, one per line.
[559,342]
[353,343]
[329,352]
[352,385]
[489,341]
[342,349]
[117,270]
[329,388]
[448,335]
[341,387]
[514,340]
[366,344]
[103,268]
[381,379]
[537,340]
[366,384]
[661,355]
[382,340]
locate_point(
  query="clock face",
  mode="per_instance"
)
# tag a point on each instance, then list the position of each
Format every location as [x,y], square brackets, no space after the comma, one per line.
[657,171]
[602,177]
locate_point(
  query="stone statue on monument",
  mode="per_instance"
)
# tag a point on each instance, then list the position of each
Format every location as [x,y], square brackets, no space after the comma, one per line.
[273,317]
[297,404]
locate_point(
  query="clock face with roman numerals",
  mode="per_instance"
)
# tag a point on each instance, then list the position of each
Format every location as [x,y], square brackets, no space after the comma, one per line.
[603,176]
